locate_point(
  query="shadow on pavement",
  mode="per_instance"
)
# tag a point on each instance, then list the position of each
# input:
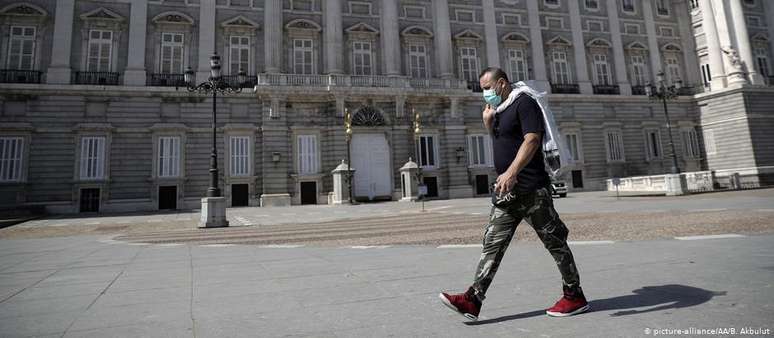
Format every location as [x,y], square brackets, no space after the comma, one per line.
[663,297]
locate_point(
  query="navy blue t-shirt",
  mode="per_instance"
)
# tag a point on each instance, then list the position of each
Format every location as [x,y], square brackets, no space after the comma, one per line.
[521,117]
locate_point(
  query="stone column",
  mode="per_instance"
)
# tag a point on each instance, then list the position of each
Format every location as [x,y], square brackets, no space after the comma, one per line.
[579,45]
[653,48]
[334,37]
[618,52]
[390,37]
[490,29]
[442,39]
[272,35]
[692,71]
[734,75]
[743,42]
[59,70]
[276,139]
[206,39]
[134,75]
[715,55]
[536,45]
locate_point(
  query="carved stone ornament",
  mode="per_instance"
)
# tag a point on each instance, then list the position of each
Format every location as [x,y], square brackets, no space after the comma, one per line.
[368,117]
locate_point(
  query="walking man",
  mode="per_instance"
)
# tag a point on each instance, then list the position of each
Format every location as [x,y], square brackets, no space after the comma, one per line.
[521,192]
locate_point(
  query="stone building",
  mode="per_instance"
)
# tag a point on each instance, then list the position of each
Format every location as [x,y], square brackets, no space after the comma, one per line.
[95,115]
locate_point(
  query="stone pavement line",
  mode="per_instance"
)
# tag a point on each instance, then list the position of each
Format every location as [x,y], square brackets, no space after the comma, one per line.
[459,246]
[102,292]
[700,237]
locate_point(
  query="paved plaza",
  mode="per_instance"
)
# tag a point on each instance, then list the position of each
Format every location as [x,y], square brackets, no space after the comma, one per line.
[282,277]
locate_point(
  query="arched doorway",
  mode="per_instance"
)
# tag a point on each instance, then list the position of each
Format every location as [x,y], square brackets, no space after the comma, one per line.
[370,157]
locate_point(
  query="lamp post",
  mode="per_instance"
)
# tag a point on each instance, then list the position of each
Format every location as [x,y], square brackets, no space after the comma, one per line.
[663,92]
[348,132]
[417,130]
[213,207]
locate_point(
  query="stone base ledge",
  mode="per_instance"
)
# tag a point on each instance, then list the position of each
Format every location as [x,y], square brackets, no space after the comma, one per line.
[275,200]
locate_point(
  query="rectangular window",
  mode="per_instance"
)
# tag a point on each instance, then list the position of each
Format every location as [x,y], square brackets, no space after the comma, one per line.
[480,150]
[302,5]
[469,64]
[427,151]
[511,19]
[573,146]
[418,61]
[100,51]
[694,4]
[21,48]
[673,70]
[465,16]
[709,142]
[614,146]
[594,26]
[239,161]
[92,158]
[662,7]
[667,31]
[361,57]
[753,21]
[638,70]
[555,23]
[359,8]
[762,60]
[632,28]
[691,144]
[653,144]
[551,3]
[307,155]
[627,6]
[414,12]
[11,152]
[169,156]
[601,69]
[706,75]
[239,54]
[172,53]
[592,4]
[561,67]
[302,56]
[517,62]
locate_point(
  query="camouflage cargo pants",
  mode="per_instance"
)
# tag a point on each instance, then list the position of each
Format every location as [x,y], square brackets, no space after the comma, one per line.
[537,208]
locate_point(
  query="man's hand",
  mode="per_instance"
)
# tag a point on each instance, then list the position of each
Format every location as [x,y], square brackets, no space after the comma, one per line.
[505,182]
[488,115]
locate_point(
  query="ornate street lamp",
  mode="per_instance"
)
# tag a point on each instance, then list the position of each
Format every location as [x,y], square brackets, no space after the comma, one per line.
[663,92]
[348,132]
[417,130]
[214,203]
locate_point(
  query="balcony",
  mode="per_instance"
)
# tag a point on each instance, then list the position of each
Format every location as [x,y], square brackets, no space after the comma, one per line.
[565,88]
[165,80]
[233,81]
[19,76]
[96,78]
[374,81]
[607,89]
[638,90]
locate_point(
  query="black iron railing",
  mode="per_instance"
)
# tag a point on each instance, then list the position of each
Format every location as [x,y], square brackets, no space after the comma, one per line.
[638,90]
[20,76]
[165,80]
[687,91]
[663,11]
[96,78]
[233,80]
[607,89]
[565,88]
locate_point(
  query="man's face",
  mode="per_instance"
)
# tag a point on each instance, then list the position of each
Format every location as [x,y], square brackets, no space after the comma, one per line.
[486,82]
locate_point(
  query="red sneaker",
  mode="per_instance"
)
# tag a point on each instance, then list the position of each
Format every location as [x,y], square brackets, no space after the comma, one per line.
[465,304]
[571,303]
